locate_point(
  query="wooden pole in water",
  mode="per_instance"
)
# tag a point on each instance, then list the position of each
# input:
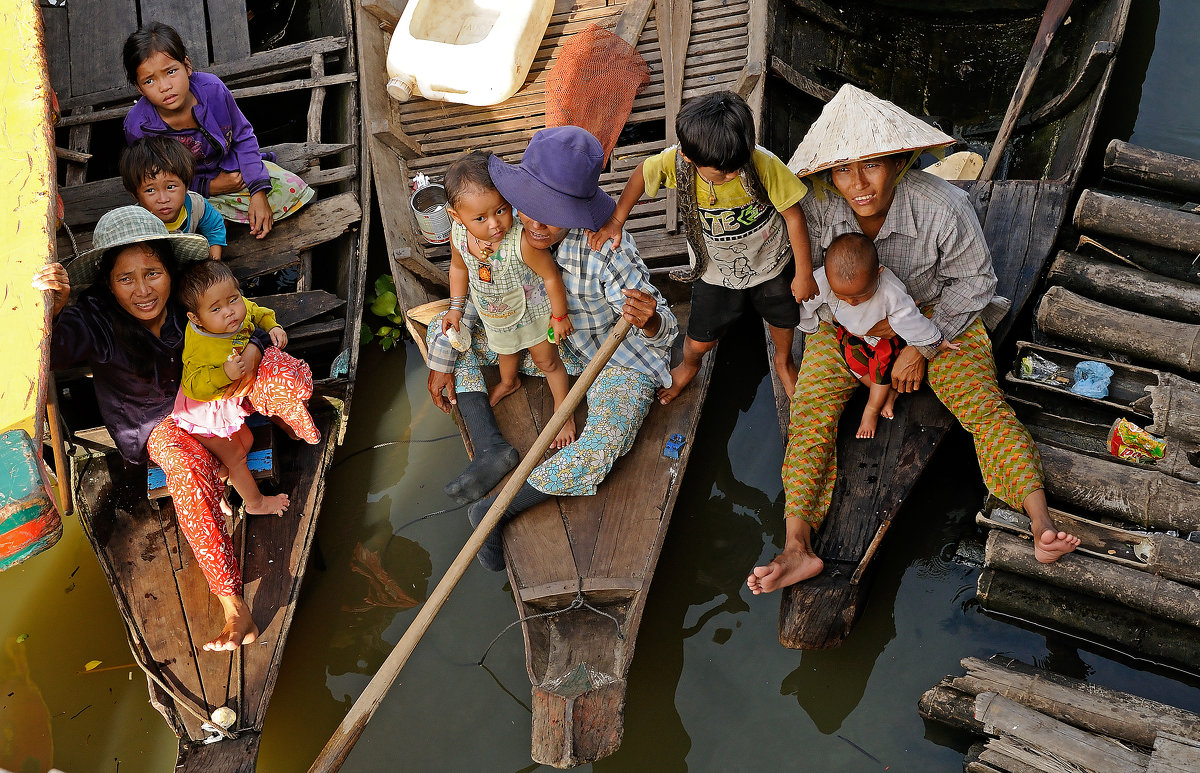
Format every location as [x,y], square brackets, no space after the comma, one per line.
[1056,11]
[1152,168]
[355,721]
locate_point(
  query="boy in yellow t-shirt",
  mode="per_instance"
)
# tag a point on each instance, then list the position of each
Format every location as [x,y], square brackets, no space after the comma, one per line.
[740,209]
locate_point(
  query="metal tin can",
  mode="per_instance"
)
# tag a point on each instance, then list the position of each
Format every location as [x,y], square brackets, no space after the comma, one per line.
[429,206]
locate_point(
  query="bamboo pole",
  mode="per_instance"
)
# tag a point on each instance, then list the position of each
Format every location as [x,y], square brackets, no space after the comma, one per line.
[355,721]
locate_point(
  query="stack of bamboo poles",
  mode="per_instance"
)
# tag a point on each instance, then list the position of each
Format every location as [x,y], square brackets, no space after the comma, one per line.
[1127,295]
[1039,722]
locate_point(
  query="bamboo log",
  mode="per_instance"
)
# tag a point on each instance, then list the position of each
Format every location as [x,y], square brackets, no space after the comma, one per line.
[1085,574]
[1144,497]
[1138,221]
[1175,405]
[1036,731]
[1090,707]
[1121,628]
[1152,168]
[950,706]
[1127,287]
[1068,315]
[1160,554]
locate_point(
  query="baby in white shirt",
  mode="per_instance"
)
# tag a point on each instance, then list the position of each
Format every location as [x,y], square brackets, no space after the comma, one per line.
[859,293]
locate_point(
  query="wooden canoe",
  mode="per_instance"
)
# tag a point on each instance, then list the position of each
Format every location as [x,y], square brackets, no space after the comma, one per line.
[815,48]
[600,550]
[310,270]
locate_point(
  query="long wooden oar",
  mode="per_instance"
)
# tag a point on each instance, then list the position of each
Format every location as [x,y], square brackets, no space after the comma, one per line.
[348,732]
[1056,11]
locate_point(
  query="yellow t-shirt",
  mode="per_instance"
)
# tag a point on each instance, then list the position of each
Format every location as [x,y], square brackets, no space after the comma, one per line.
[204,353]
[747,243]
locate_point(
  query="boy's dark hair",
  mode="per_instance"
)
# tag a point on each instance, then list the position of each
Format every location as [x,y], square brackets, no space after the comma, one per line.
[468,172]
[198,278]
[851,255]
[716,130]
[145,42]
[151,156]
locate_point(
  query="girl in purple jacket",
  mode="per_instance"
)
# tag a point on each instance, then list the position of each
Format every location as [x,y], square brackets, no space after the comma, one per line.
[197,109]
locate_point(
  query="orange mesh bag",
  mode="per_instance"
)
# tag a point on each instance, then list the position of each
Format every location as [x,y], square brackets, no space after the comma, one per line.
[593,84]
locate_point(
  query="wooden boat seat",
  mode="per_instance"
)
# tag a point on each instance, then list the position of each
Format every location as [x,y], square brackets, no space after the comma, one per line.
[260,460]
[598,590]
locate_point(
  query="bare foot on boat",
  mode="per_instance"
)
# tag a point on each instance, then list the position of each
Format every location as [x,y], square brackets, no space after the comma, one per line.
[788,373]
[791,566]
[566,435]
[268,505]
[1053,545]
[866,426]
[239,626]
[502,390]
[681,375]
[888,411]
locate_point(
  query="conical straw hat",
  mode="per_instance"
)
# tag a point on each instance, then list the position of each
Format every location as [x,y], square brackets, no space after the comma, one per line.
[856,125]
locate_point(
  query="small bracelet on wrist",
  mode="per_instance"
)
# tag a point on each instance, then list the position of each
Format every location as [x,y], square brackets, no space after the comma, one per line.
[559,319]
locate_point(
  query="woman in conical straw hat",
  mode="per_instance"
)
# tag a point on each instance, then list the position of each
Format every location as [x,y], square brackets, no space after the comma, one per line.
[926,232]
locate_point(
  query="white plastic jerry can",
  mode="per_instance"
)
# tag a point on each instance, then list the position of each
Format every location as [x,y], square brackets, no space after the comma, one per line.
[475,52]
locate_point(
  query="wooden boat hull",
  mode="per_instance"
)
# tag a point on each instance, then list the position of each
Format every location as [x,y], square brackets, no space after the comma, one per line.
[605,545]
[819,46]
[168,609]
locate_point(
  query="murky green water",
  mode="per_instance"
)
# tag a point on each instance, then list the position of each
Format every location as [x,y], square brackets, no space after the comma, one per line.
[710,688]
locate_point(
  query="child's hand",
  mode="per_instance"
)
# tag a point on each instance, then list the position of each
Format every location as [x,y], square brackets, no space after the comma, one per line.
[610,230]
[226,182]
[562,328]
[260,215]
[278,336]
[451,320]
[804,287]
[214,251]
[235,366]
[947,345]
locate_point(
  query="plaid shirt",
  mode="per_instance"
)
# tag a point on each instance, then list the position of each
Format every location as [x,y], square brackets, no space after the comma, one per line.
[594,281]
[932,240]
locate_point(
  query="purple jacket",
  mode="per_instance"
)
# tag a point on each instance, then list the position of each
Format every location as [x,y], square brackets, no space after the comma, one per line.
[131,404]
[225,141]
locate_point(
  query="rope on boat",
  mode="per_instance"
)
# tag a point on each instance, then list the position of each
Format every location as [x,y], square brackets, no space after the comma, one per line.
[577,603]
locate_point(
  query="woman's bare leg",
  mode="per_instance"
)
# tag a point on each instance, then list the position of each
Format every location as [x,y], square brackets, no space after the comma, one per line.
[239,625]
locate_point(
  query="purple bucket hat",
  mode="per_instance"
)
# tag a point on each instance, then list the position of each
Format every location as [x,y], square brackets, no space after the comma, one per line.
[558,179]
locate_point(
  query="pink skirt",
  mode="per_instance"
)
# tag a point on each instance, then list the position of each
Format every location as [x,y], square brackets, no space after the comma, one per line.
[215,418]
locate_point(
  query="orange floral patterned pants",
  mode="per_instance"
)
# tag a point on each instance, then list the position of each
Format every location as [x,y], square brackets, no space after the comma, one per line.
[281,387]
[965,382]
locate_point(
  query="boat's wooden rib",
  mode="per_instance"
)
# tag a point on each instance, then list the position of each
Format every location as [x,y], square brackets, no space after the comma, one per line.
[820,46]
[603,548]
[163,597]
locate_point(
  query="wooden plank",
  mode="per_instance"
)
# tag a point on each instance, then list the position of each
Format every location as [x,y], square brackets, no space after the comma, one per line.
[632,19]
[800,82]
[294,308]
[1174,754]
[232,42]
[56,24]
[98,31]
[320,221]
[316,104]
[187,17]
[1001,716]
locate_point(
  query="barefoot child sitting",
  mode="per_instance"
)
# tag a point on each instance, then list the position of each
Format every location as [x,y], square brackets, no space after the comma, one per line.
[210,404]
[514,286]
[740,210]
[860,293]
[157,171]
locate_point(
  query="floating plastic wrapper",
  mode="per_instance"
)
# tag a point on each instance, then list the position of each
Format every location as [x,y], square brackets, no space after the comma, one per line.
[1128,441]
[1091,379]
[1035,367]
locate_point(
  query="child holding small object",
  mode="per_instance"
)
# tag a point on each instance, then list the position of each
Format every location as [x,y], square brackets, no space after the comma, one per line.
[860,293]
[197,110]
[739,207]
[157,171]
[514,286]
[210,404]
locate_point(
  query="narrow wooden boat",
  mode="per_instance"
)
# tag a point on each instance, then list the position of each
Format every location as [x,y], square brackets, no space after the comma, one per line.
[580,567]
[958,67]
[310,270]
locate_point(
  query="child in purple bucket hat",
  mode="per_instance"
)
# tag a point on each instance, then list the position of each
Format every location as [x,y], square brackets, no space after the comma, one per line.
[556,192]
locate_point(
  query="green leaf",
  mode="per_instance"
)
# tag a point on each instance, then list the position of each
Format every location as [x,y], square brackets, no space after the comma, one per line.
[385,284]
[397,319]
[386,343]
[385,304]
[22,638]
[365,335]
[385,332]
